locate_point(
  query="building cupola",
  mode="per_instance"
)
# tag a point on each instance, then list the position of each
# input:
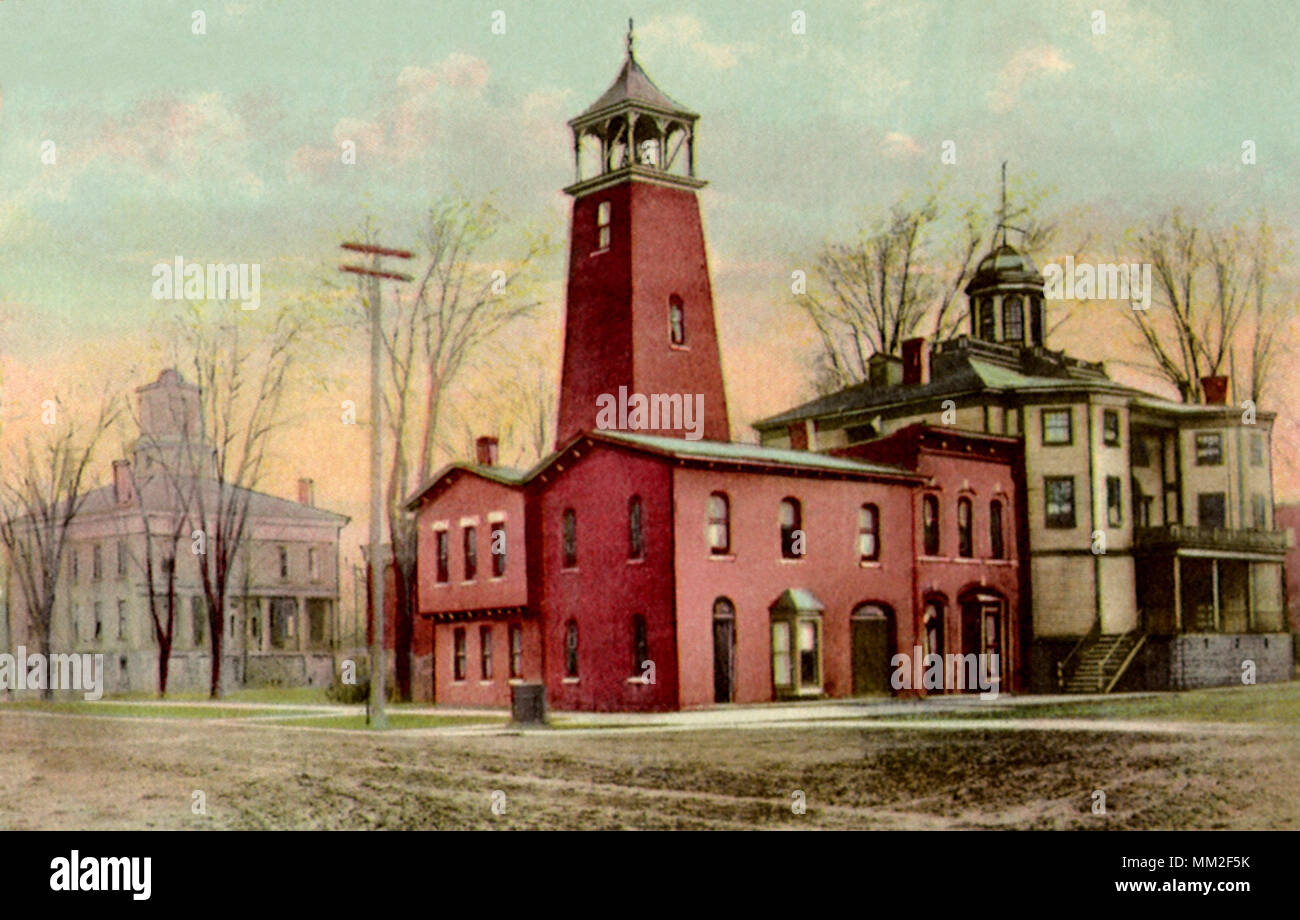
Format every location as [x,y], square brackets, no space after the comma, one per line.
[1005,295]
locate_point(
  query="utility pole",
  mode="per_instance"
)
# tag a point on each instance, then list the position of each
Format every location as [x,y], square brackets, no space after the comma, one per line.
[373,275]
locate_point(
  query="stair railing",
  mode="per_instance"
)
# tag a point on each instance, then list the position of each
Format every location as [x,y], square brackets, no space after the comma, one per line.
[1065,667]
[1101,668]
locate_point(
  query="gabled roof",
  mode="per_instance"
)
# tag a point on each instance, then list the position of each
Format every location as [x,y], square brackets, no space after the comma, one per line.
[505,475]
[633,85]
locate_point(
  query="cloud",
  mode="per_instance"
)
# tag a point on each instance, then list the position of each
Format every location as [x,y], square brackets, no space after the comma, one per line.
[686,31]
[1023,66]
[897,144]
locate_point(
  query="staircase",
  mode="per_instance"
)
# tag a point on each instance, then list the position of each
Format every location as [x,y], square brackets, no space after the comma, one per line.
[1101,661]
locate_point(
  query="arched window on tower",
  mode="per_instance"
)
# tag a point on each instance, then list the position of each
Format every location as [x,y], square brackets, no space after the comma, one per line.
[1035,321]
[987,330]
[676,321]
[1013,320]
[604,213]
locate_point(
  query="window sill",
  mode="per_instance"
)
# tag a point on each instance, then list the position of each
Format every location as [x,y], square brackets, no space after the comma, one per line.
[870,564]
[787,560]
[442,584]
[672,347]
[569,680]
[515,681]
[570,571]
[722,557]
[486,683]
[468,582]
[496,578]
[639,561]
[597,252]
[638,679]
[458,683]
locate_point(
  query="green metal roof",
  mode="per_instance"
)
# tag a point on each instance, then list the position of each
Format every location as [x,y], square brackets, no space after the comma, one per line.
[749,453]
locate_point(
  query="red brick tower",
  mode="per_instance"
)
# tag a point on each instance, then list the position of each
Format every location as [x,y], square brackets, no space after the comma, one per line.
[639,305]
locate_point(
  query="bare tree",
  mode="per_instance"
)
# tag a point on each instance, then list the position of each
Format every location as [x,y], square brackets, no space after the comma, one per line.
[241,362]
[41,491]
[460,301]
[1208,281]
[872,292]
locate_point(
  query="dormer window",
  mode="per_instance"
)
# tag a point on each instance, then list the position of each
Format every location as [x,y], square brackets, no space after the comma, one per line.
[676,321]
[604,212]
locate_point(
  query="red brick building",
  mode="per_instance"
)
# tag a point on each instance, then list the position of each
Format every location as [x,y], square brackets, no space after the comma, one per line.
[661,566]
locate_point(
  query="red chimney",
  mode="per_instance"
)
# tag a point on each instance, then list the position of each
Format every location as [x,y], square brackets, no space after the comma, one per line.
[306,492]
[913,354]
[1216,390]
[485,451]
[122,490]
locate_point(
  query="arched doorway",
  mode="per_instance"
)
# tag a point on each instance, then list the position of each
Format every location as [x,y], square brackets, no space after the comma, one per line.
[983,631]
[872,628]
[724,651]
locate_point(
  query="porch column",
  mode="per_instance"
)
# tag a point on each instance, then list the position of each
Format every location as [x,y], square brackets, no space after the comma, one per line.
[1178,596]
[302,624]
[1214,583]
[266,624]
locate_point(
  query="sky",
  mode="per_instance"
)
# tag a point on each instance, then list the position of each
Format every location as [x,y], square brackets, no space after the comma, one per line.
[126,139]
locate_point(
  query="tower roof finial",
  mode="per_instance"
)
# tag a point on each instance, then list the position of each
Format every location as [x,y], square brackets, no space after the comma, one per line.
[630,37]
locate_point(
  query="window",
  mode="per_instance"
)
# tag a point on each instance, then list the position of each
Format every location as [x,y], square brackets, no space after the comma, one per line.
[284,562]
[571,649]
[869,532]
[640,645]
[635,537]
[516,637]
[570,536]
[313,568]
[96,563]
[810,657]
[1058,426]
[987,329]
[196,619]
[997,545]
[1035,321]
[1256,449]
[603,215]
[1058,498]
[965,541]
[1110,427]
[497,533]
[791,529]
[933,622]
[444,570]
[1259,512]
[485,652]
[121,619]
[458,654]
[930,524]
[1139,454]
[1211,510]
[121,559]
[1114,501]
[719,524]
[782,665]
[676,321]
[1013,320]
[1209,448]
[469,537]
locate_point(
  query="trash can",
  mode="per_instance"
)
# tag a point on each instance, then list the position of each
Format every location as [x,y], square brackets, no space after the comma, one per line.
[528,704]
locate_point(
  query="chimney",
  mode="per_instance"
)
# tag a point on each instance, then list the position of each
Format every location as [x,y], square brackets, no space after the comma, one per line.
[307,492]
[485,451]
[913,361]
[1216,390]
[122,490]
